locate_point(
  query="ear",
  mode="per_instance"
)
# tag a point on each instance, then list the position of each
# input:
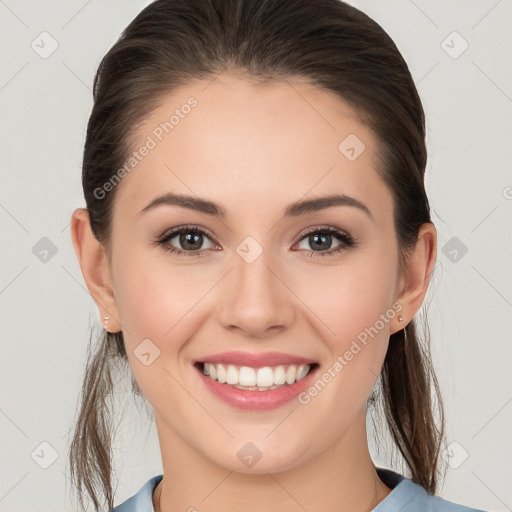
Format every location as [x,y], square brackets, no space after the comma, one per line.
[414,284]
[94,264]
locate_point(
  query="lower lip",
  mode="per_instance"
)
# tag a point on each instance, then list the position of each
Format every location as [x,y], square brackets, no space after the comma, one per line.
[256,400]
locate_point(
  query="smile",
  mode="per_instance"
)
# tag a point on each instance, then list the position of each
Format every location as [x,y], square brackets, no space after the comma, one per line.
[260,379]
[256,389]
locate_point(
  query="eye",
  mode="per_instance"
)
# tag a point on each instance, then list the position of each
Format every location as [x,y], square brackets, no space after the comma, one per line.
[321,238]
[191,241]
[190,238]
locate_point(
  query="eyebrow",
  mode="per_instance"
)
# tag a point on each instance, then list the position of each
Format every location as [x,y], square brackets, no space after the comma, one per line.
[293,210]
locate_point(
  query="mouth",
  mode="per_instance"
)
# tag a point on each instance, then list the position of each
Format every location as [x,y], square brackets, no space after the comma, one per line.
[261,379]
[255,381]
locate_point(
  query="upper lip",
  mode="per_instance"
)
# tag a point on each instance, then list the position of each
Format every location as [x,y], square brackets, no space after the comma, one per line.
[255,360]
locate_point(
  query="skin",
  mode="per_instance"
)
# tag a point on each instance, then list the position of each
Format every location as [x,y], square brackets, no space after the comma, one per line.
[254,149]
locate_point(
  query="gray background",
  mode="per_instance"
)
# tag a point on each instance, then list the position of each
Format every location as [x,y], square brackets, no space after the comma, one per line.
[46,309]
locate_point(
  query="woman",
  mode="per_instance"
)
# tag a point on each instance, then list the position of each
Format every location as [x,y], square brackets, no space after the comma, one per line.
[258,240]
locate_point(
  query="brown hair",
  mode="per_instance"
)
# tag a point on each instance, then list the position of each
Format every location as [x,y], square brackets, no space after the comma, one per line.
[330,44]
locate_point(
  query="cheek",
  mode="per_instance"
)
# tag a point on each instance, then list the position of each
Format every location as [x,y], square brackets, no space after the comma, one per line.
[352,306]
[351,297]
[157,299]
[158,303]
[352,309]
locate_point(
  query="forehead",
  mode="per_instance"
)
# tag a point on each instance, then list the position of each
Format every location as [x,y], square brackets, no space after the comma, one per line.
[278,141]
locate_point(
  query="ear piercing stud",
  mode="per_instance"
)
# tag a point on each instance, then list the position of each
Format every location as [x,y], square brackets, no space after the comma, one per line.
[400,318]
[105,323]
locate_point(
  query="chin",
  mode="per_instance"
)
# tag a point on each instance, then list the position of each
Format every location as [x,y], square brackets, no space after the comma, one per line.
[249,459]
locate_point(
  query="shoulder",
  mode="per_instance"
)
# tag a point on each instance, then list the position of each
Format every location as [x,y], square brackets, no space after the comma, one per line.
[142,501]
[438,504]
[408,495]
[405,493]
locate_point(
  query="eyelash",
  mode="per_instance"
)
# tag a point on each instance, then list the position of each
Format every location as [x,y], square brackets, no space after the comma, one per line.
[347,240]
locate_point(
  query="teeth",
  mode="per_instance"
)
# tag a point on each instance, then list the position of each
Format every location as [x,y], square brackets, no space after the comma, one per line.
[245,377]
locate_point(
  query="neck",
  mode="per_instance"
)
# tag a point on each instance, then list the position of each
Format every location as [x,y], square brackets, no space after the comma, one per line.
[343,478]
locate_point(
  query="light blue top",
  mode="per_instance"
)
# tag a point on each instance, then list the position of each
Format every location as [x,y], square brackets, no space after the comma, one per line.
[404,492]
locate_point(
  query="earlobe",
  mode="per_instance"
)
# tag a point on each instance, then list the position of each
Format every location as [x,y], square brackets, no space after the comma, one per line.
[419,267]
[93,262]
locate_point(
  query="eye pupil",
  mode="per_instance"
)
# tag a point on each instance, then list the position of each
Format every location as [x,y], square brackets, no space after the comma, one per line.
[187,240]
[317,239]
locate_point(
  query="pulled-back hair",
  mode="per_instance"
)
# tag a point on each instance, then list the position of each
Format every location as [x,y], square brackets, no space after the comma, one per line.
[327,43]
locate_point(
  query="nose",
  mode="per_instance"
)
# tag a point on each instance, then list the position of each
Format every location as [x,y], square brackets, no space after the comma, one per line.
[255,300]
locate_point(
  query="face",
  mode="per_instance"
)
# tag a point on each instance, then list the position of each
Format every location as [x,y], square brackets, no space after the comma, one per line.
[257,276]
